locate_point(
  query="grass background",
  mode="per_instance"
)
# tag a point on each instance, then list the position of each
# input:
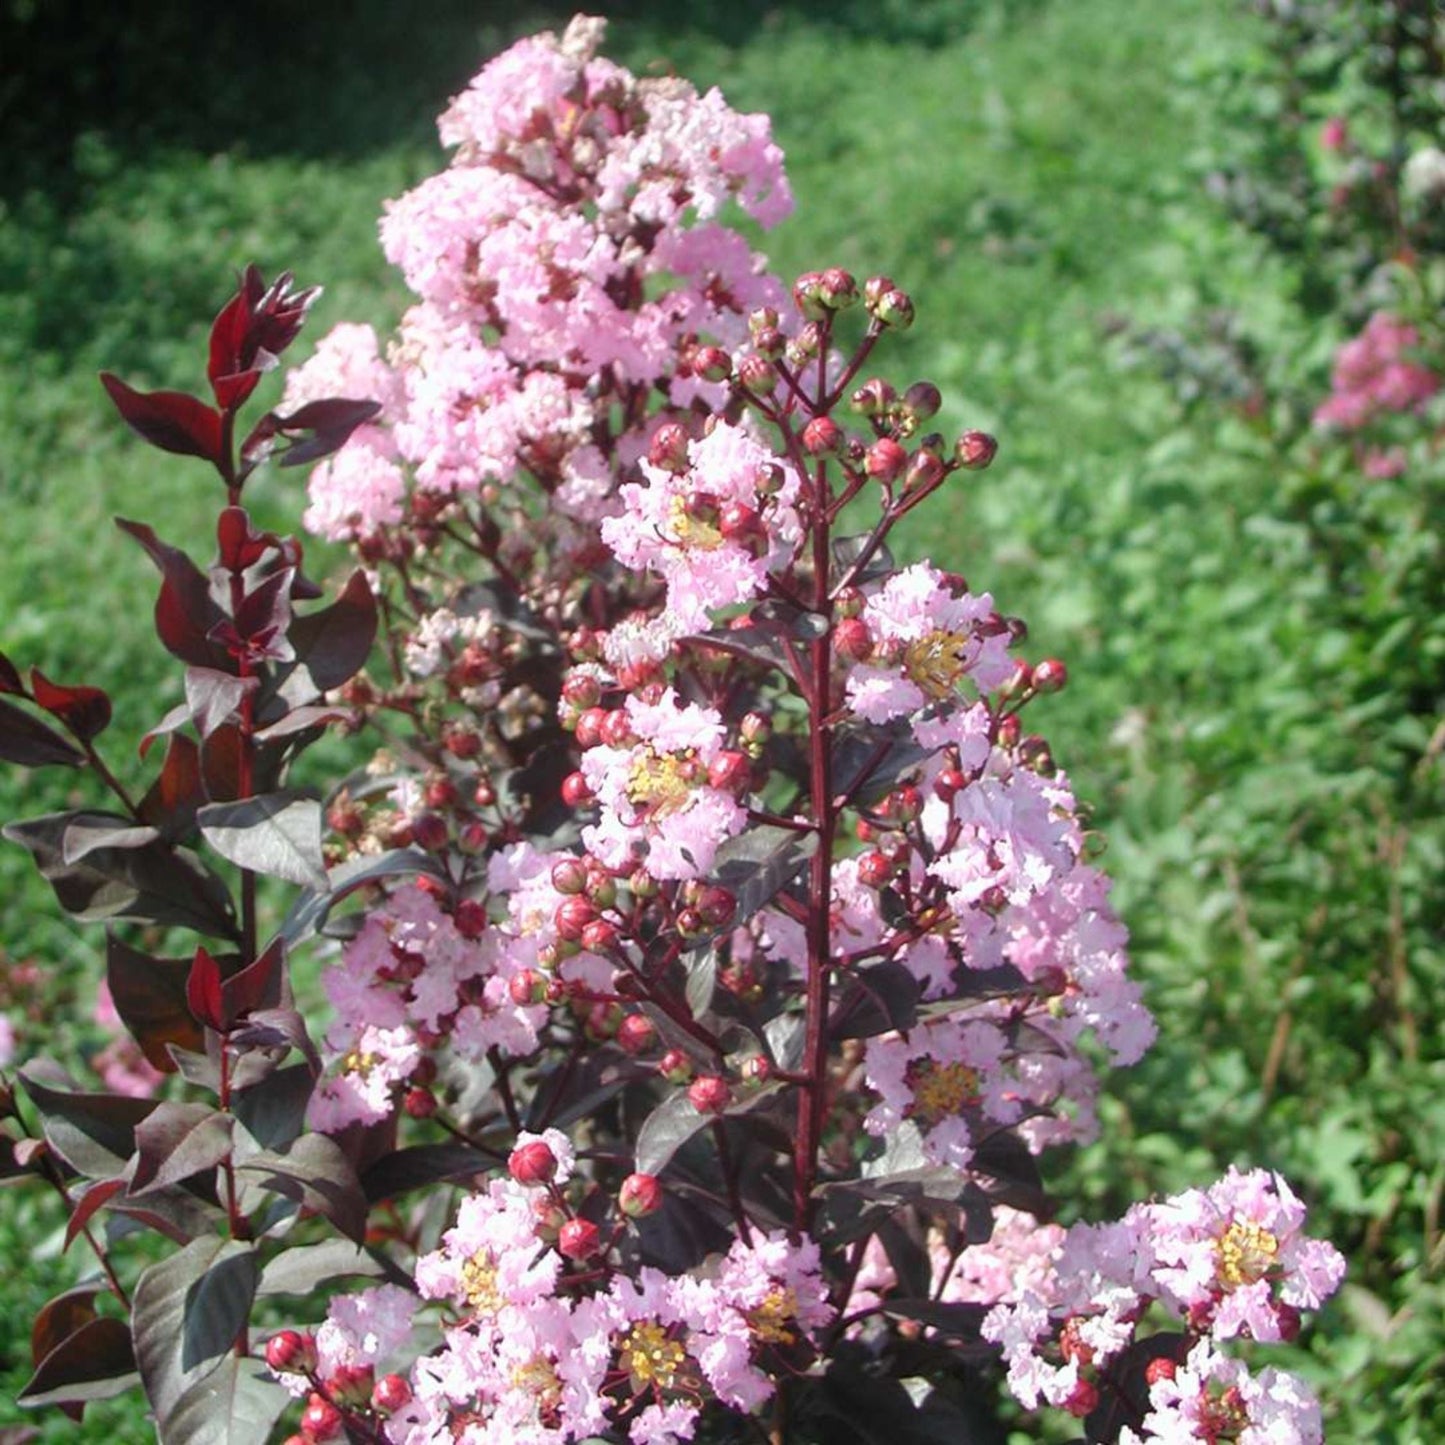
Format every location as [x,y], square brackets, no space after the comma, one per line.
[1030,170]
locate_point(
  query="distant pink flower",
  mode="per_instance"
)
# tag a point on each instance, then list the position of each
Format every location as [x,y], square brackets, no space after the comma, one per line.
[1374,377]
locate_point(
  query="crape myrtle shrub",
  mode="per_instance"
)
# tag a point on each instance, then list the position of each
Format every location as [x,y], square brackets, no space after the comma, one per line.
[1312,797]
[710,948]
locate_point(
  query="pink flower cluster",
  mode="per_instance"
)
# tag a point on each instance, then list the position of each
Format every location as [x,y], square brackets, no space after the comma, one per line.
[1374,376]
[1231,1262]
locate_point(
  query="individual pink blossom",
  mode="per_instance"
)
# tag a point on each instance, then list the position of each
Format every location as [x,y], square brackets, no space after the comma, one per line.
[364,1089]
[655,791]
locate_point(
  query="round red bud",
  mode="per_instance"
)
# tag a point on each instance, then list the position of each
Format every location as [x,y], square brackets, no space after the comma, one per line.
[643,885]
[717,905]
[1050,675]
[837,288]
[527,988]
[588,727]
[600,936]
[391,1393]
[291,1352]
[533,1163]
[352,1384]
[640,1195]
[756,1070]
[875,288]
[419,1103]
[582,690]
[636,1034]
[602,1021]
[712,363]
[924,471]
[572,916]
[974,450]
[948,783]
[484,794]
[579,1239]
[873,398]
[874,869]
[894,308]
[668,447]
[1083,1400]
[429,831]
[852,639]
[321,1420]
[440,792]
[885,460]
[822,437]
[1009,729]
[617,729]
[730,772]
[740,523]
[808,295]
[690,923]
[675,1067]
[1161,1367]
[575,791]
[569,876]
[758,374]
[709,1094]
[923,399]
[470,917]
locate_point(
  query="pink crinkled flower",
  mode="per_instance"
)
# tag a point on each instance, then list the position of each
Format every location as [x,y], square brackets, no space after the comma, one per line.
[927,638]
[937,1076]
[365,1088]
[1018,1257]
[655,793]
[365,1328]
[713,531]
[1235,1254]
[1373,376]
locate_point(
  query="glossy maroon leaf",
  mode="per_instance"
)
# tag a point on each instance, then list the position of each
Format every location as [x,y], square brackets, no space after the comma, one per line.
[87,833]
[59,1318]
[274,1110]
[94,1133]
[186,612]
[153,883]
[171,802]
[84,710]
[316,1173]
[332,644]
[278,834]
[239,544]
[203,991]
[215,697]
[221,755]
[275,1028]
[95,1362]
[31,743]
[228,336]
[178,1140]
[150,995]
[423,1165]
[10,677]
[174,421]
[89,1204]
[265,615]
[314,431]
[260,985]
[306,1268]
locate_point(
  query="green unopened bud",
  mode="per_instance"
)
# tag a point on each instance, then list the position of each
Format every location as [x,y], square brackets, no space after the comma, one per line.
[895,309]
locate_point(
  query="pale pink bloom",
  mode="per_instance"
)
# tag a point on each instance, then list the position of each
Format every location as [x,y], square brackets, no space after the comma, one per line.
[7,1041]
[364,1090]
[654,796]
[365,1328]
[1018,1257]
[1373,376]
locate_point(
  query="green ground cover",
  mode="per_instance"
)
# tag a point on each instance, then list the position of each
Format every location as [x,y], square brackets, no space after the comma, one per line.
[1030,170]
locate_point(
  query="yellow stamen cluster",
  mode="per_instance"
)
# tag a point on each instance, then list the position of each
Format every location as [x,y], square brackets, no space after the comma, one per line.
[692,528]
[357,1062]
[662,783]
[538,1377]
[652,1358]
[479,1283]
[937,661]
[1244,1253]
[772,1322]
[940,1091]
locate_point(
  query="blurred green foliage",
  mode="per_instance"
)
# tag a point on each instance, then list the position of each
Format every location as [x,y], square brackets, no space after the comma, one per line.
[1114,220]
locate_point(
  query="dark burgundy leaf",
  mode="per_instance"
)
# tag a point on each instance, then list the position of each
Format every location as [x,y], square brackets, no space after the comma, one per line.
[758,864]
[962,1321]
[277,313]
[93,1133]
[302,720]
[228,337]
[1009,1174]
[847,551]
[91,1201]
[221,755]
[315,1173]
[238,542]
[278,834]
[59,1318]
[665,1131]
[186,612]
[31,743]
[174,421]
[265,615]
[88,832]
[273,1112]
[331,644]
[151,998]
[203,991]
[215,697]
[305,1268]
[151,884]
[10,677]
[1124,1385]
[423,1164]
[309,913]
[260,985]
[95,1362]
[84,710]
[232,392]
[177,1141]
[330,422]
[273,1028]
[236,1403]
[171,802]
[876,1000]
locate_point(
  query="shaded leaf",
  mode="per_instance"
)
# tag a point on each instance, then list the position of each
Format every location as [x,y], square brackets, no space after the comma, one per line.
[214,697]
[150,996]
[309,913]
[88,1204]
[84,710]
[186,612]
[174,421]
[236,1403]
[177,1140]
[876,999]
[96,1362]
[278,834]
[88,831]
[847,551]
[155,883]
[701,980]
[31,743]
[758,864]
[332,643]
[171,802]
[274,1111]
[203,991]
[403,1170]
[93,1133]
[10,676]
[963,1321]
[665,1131]
[317,1174]
[305,1268]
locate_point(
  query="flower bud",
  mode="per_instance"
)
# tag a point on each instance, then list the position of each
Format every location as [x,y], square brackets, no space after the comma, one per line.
[429,832]
[588,727]
[668,448]
[533,1163]
[579,1239]
[569,876]
[874,869]
[717,905]
[922,400]
[974,450]
[600,936]
[575,791]
[321,1420]
[755,728]
[572,916]
[484,794]
[419,1103]
[730,772]
[852,640]
[1161,1367]
[527,988]
[640,1195]
[755,1071]
[675,1067]
[643,885]
[873,398]
[1009,729]
[709,1094]
[885,460]
[758,374]
[1036,755]
[291,1353]
[948,783]
[617,729]
[602,1021]
[925,471]
[712,363]
[1083,1399]
[1050,675]
[740,523]
[805,345]
[895,309]
[822,437]
[582,690]
[636,1034]
[351,1385]
[762,318]
[808,296]
[470,917]
[391,1394]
